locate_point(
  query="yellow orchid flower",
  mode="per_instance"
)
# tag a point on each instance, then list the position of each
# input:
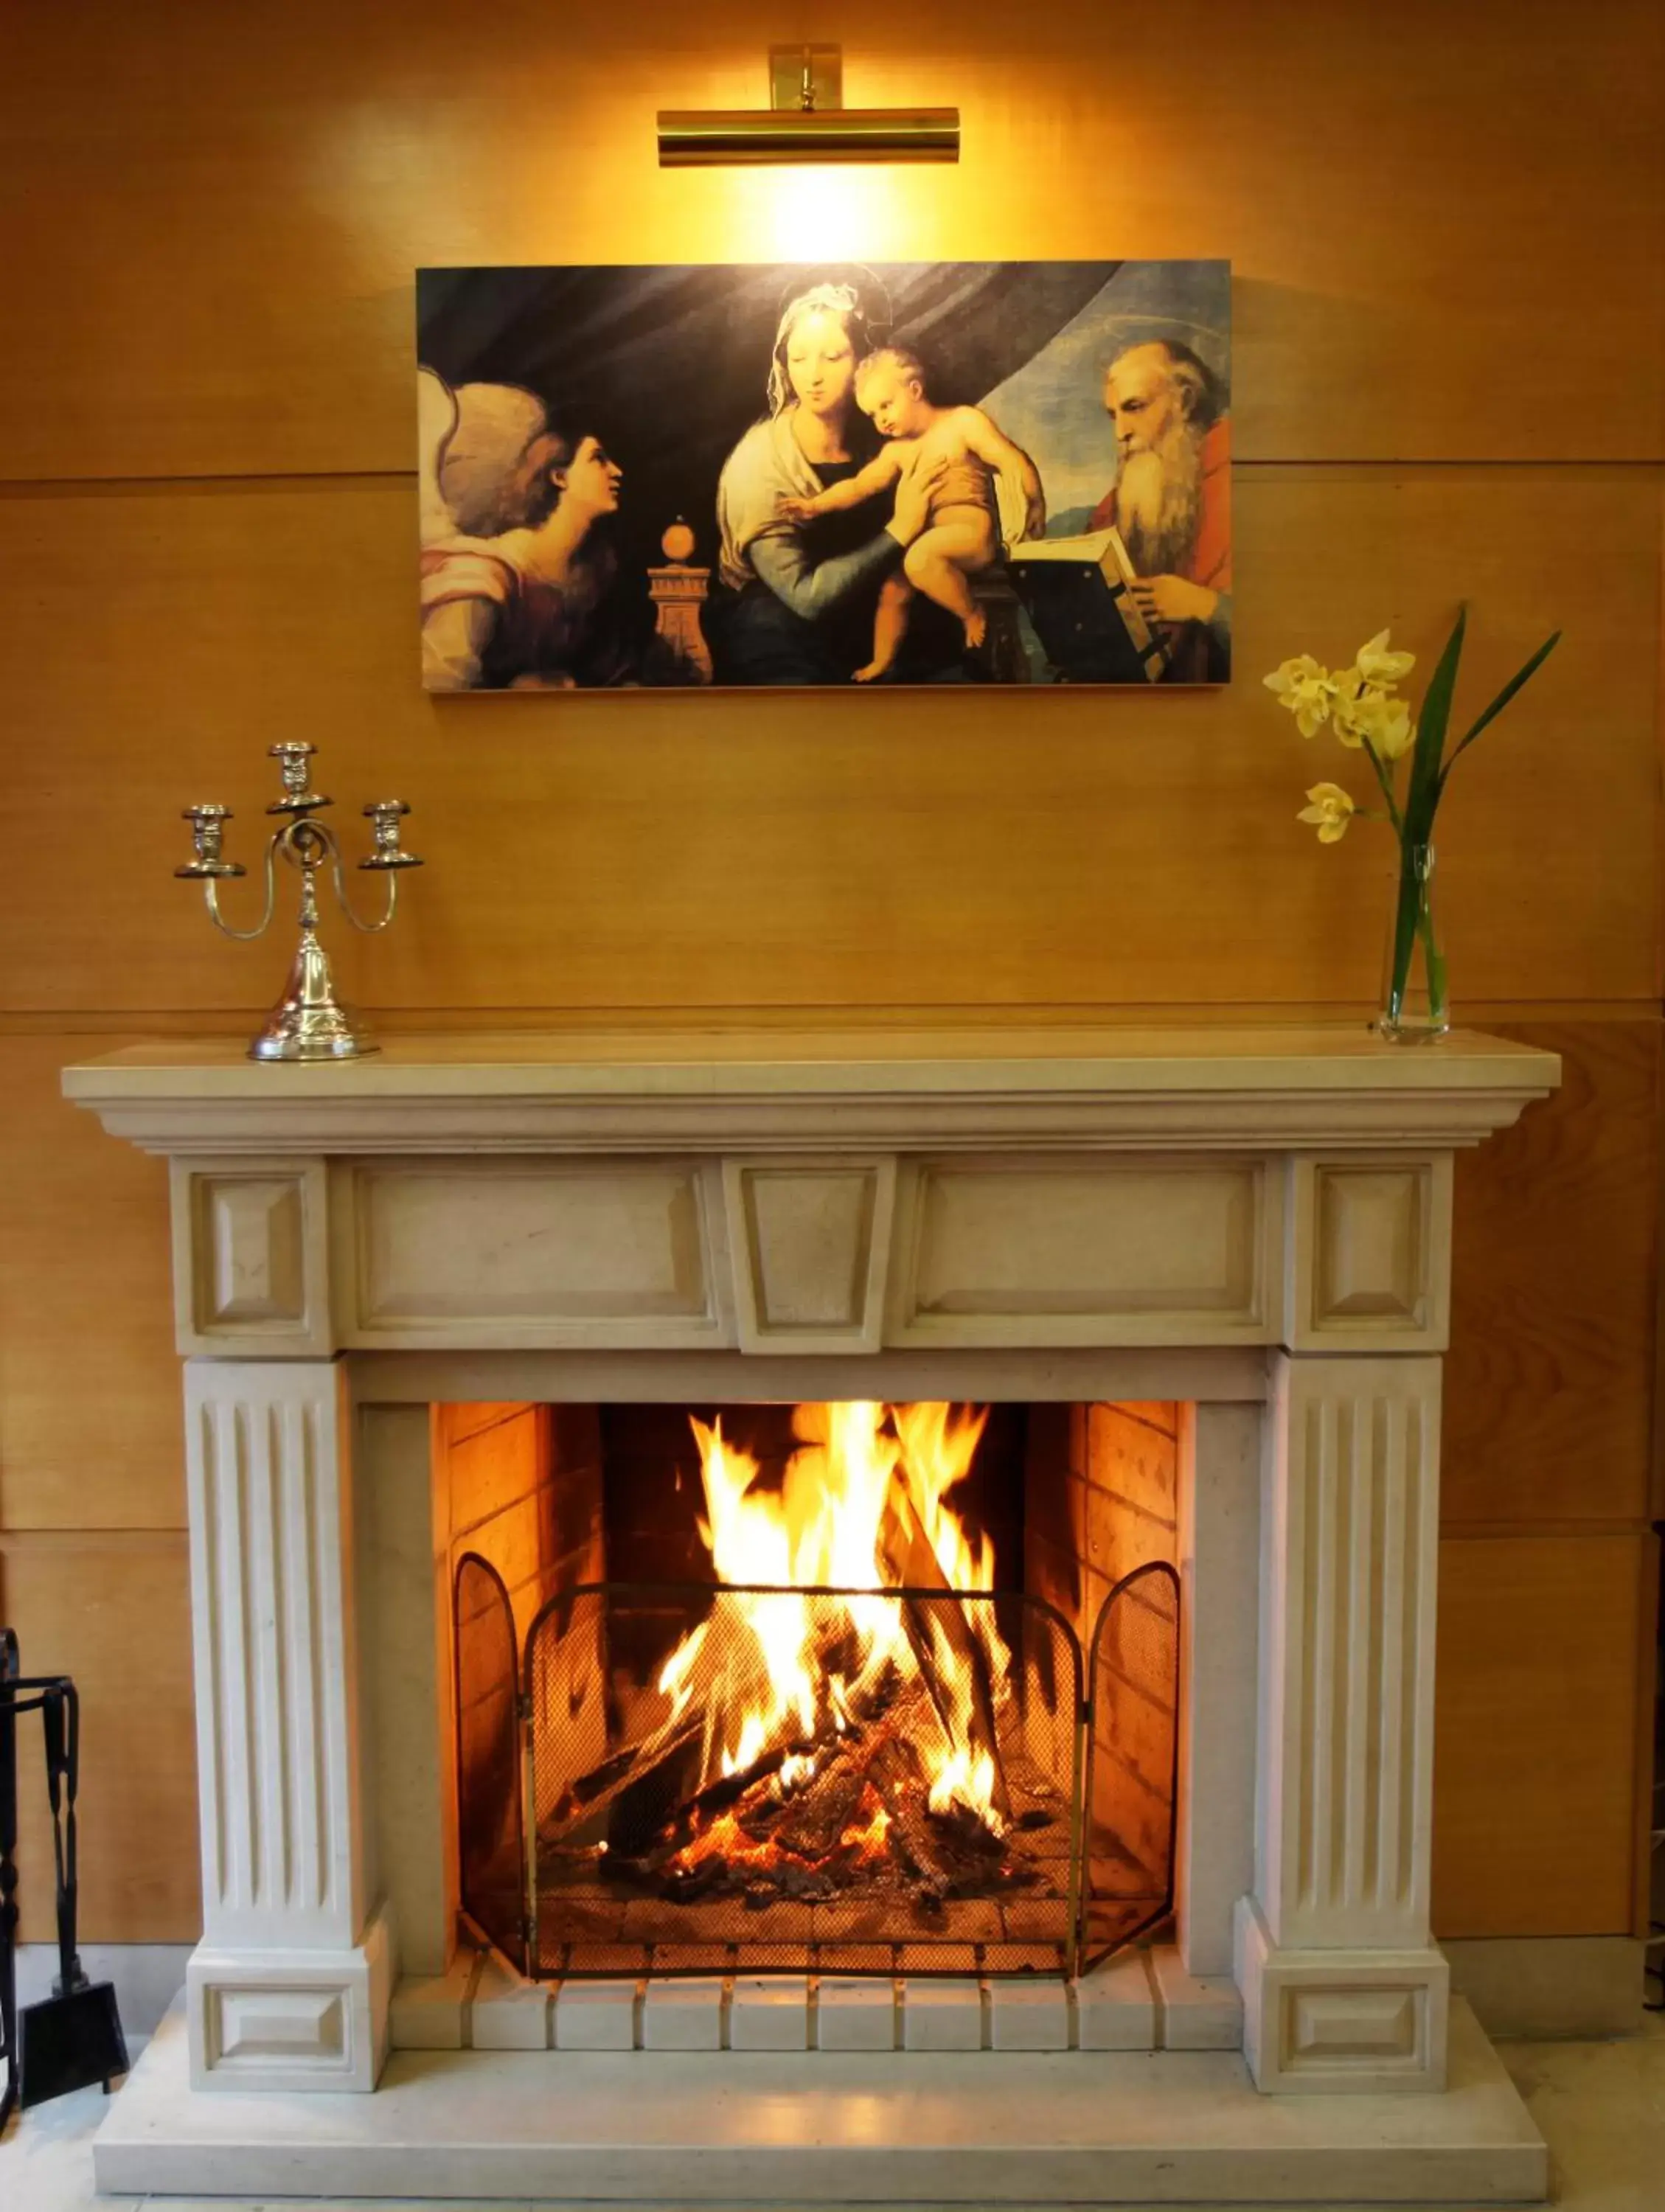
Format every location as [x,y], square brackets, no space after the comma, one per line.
[1376,664]
[1307,688]
[1331,811]
[1372,714]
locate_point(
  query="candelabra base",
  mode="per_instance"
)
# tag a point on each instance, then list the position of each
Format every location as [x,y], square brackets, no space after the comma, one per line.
[309,1022]
[285,1038]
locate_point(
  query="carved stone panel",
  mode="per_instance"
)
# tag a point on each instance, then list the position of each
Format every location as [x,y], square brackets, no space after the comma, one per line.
[269,2026]
[811,1243]
[1075,1251]
[251,1258]
[1331,2026]
[1369,1255]
[608,1254]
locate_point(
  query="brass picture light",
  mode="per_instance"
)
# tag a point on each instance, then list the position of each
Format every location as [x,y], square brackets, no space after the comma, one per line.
[806,121]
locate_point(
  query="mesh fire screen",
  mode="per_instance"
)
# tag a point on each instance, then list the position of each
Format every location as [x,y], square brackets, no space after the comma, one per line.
[845,1749]
[869,1782]
[1130,1797]
[491,1866]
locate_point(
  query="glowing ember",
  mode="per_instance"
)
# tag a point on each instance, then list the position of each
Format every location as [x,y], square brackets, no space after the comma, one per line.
[726,1840]
[867,1841]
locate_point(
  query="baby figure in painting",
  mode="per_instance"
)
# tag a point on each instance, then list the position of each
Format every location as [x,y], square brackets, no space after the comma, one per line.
[964,452]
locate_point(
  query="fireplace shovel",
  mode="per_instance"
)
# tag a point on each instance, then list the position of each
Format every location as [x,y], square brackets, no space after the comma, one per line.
[73,2037]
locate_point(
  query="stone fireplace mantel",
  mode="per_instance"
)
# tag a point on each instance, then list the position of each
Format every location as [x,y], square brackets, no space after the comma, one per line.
[598,1091]
[1256,1221]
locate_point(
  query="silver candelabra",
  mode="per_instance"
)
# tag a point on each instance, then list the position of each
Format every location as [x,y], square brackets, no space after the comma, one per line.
[309,1022]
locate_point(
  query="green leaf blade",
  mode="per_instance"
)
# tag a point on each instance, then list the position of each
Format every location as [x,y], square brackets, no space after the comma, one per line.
[1517,682]
[1422,795]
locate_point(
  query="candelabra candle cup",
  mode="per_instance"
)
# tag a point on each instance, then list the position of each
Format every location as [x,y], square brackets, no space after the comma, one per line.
[292,756]
[309,1022]
[208,835]
[384,816]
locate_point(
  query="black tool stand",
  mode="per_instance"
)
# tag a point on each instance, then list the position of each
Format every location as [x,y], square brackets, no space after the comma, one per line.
[72,2039]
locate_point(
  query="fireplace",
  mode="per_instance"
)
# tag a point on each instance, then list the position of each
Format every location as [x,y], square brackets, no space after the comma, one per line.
[830,1689]
[1130,1783]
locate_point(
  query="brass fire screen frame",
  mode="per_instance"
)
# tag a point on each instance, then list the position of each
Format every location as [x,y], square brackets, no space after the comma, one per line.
[558,1771]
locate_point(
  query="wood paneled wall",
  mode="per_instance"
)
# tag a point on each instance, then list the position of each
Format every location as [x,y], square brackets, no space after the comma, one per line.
[1447,234]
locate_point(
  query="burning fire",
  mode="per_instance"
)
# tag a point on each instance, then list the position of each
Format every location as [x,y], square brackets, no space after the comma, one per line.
[868,1840]
[863,1507]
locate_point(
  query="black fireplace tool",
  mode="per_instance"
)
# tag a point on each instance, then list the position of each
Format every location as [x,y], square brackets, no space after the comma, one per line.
[8,1873]
[73,2037]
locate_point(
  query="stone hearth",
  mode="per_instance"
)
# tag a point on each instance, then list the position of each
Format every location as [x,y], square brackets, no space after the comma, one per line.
[1255,1225]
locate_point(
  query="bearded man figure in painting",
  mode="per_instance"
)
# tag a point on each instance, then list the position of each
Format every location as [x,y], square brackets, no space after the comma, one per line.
[1171,500]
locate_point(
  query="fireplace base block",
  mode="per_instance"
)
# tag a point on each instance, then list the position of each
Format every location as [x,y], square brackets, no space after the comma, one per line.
[828,2127]
[291,2019]
[1341,2021]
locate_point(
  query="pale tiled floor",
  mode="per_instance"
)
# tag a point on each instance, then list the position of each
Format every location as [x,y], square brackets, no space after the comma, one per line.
[1601,2106]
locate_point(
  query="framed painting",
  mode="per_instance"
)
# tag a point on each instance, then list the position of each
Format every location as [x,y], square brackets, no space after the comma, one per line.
[994,472]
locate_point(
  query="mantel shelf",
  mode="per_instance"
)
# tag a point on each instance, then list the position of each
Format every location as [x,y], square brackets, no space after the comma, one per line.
[710,1091]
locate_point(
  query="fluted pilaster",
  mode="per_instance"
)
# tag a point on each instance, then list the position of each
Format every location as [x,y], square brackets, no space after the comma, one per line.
[281,1983]
[1342,1985]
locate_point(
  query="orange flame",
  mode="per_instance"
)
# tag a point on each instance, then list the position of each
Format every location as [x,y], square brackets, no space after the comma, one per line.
[822,1528]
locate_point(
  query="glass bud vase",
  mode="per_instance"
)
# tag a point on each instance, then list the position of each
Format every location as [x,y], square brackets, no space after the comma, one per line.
[1416,1006]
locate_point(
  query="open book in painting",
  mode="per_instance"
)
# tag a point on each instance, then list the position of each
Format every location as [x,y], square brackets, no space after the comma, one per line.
[1078,593]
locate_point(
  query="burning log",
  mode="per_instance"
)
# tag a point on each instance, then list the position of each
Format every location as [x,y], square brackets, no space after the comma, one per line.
[907,1553]
[951,1854]
[640,1808]
[627,1800]
[896,1767]
[588,1787]
[860,1818]
[729,1789]
[816,1817]
[688,1885]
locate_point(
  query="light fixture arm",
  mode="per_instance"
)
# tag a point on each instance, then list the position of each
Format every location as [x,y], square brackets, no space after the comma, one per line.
[806,120]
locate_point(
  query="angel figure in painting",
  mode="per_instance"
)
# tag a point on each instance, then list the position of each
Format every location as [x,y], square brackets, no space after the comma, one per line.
[969,460]
[521,589]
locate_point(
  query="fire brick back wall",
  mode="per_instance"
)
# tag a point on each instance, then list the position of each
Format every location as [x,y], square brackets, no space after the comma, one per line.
[524,1492]
[1102,1500]
[522,1486]
[1101,1493]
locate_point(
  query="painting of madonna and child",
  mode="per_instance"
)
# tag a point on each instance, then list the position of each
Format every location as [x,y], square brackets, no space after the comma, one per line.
[995,472]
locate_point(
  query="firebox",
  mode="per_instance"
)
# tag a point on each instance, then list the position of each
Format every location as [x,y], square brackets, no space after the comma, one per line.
[848,1688]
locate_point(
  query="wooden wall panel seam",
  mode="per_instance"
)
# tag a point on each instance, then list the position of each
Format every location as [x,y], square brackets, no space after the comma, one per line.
[420,1019]
[207,482]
